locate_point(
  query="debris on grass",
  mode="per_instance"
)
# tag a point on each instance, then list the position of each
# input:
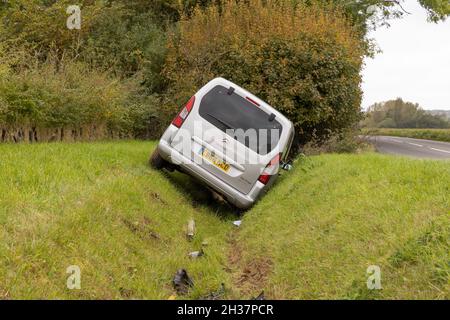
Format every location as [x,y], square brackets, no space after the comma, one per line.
[287,166]
[190,233]
[237,223]
[157,197]
[217,295]
[196,254]
[126,293]
[132,271]
[182,282]
[260,297]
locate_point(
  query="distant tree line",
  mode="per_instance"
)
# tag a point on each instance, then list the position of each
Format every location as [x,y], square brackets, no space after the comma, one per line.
[400,114]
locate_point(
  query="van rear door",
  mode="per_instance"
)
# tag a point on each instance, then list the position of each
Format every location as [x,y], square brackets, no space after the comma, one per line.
[236,137]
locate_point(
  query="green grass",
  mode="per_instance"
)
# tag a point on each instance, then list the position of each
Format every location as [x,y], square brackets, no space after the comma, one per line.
[76,204]
[100,207]
[339,214]
[428,134]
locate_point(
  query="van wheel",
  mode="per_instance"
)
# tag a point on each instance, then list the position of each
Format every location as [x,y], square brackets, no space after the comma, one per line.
[156,161]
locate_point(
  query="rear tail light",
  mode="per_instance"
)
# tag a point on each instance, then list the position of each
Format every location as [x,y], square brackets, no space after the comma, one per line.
[181,117]
[265,176]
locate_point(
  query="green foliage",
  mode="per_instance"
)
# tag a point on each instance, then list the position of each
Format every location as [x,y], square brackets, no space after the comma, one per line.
[347,141]
[387,123]
[40,26]
[125,40]
[77,102]
[438,10]
[103,76]
[400,114]
[372,13]
[127,43]
[303,60]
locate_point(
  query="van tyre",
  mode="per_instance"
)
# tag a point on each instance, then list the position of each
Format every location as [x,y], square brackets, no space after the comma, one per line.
[156,161]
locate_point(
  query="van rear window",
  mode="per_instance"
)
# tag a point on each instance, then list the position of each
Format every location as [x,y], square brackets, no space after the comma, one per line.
[231,111]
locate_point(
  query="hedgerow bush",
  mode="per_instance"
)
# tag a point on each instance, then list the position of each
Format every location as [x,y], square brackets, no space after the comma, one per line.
[69,102]
[303,60]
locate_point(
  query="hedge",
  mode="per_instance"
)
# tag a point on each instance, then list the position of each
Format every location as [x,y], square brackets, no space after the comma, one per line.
[303,60]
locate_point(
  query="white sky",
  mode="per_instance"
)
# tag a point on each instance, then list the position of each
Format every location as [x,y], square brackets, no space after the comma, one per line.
[414,63]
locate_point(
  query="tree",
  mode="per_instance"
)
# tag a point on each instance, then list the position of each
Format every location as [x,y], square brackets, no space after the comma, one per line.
[303,60]
[400,114]
[438,10]
[376,12]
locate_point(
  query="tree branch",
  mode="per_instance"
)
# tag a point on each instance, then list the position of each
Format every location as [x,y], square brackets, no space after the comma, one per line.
[397,3]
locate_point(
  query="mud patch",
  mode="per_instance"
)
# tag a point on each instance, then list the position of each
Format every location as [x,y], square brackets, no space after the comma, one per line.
[254,275]
[250,275]
[234,254]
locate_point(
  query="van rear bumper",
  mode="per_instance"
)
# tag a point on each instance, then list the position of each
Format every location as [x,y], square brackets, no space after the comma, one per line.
[240,200]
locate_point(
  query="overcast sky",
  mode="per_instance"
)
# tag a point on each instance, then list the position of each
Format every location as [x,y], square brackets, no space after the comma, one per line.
[414,64]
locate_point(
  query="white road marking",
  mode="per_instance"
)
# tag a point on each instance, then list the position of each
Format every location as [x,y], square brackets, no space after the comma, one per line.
[415,144]
[440,150]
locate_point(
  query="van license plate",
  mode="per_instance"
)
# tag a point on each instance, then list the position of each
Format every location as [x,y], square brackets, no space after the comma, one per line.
[210,157]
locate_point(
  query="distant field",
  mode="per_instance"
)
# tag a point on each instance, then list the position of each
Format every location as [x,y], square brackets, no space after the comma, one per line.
[429,134]
[100,207]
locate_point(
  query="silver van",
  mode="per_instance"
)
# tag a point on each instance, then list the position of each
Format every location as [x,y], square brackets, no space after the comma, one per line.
[230,140]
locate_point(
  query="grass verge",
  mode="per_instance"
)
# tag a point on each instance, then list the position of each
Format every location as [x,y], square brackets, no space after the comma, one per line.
[100,207]
[336,215]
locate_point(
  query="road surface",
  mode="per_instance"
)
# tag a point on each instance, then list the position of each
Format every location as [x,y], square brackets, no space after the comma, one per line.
[416,148]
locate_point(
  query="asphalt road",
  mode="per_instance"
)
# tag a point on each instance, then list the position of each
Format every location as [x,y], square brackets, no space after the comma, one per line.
[416,148]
